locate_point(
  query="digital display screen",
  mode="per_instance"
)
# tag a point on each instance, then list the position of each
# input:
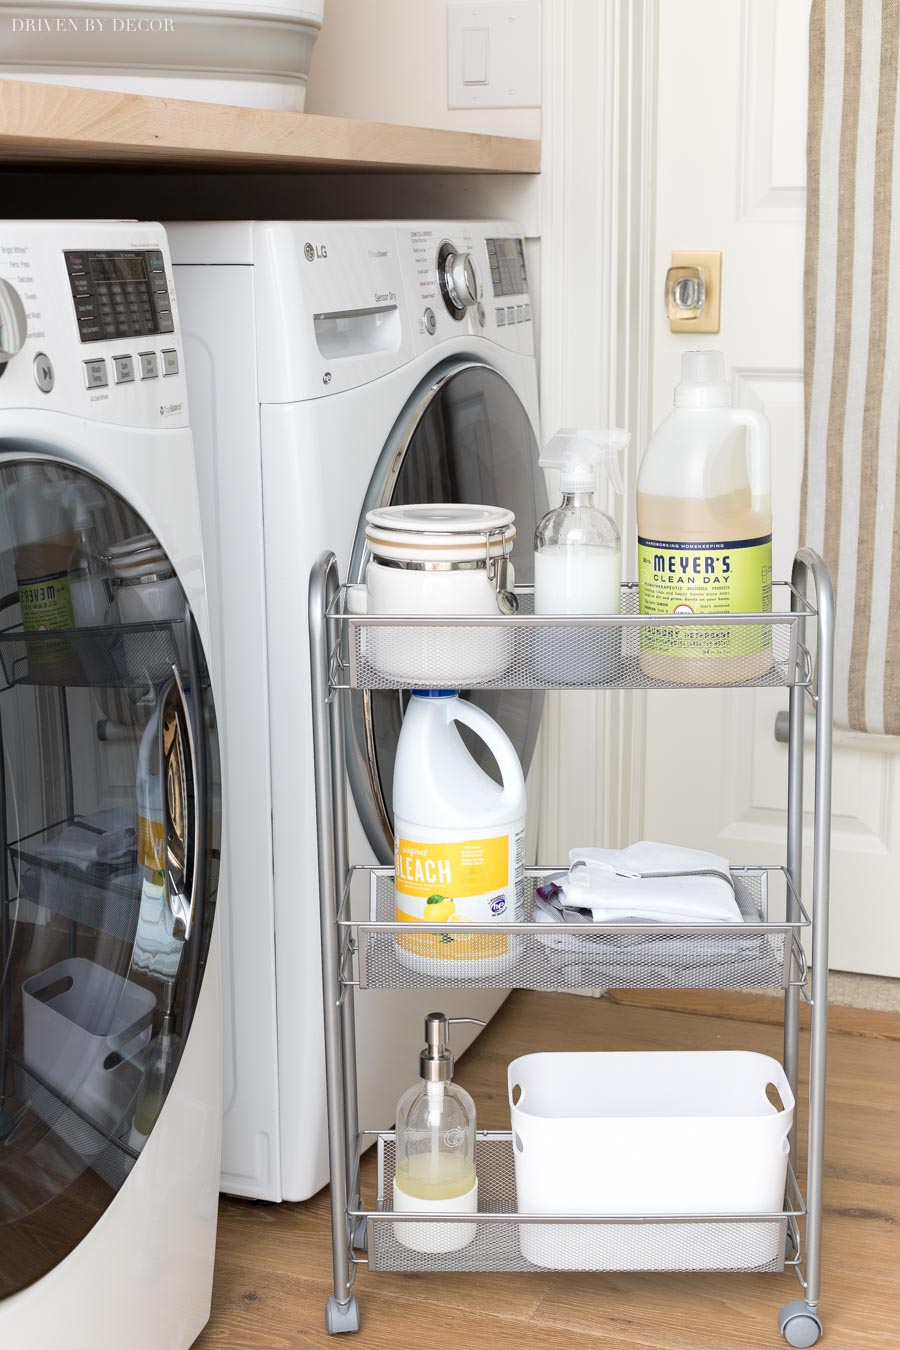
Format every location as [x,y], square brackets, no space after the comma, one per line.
[118,267]
[119,294]
[507,260]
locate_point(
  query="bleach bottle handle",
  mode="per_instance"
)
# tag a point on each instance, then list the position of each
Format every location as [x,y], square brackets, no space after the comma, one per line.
[494,737]
[759,452]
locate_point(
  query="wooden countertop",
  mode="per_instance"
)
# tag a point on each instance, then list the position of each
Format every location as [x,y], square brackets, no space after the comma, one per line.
[44,124]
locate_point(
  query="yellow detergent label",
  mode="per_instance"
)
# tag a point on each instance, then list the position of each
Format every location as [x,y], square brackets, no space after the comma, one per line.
[46,604]
[460,882]
[732,577]
[151,844]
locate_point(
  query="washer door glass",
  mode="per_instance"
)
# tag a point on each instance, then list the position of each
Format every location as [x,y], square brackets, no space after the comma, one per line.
[464,436]
[109,830]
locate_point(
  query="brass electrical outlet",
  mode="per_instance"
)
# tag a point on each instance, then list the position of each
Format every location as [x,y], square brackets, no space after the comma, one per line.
[703,318]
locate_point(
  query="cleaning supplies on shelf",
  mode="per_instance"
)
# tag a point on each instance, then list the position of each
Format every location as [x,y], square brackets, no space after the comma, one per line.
[644,883]
[158,945]
[435,560]
[44,538]
[704,516]
[578,549]
[459,852]
[435,1148]
[650,1132]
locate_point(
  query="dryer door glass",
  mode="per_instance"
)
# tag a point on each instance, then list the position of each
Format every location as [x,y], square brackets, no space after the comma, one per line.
[464,436]
[109,846]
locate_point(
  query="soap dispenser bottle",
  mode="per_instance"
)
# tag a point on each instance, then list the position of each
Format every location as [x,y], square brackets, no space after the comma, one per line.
[435,1148]
[578,549]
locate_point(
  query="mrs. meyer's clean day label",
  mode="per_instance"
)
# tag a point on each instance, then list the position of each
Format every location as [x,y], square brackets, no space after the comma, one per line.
[704,516]
[459,844]
[731,577]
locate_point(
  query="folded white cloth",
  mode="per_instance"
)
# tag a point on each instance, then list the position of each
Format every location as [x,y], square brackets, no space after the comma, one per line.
[651,883]
[92,843]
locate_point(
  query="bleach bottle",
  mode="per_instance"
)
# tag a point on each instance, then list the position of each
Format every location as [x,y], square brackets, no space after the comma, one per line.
[459,841]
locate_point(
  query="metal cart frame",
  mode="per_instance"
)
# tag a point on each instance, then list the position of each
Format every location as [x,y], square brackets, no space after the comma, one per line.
[339,664]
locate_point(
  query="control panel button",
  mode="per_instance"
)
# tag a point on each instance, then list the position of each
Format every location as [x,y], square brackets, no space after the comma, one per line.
[510,314]
[501,316]
[123,369]
[520,313]
[169,362]
[149,365]
[85,307]
[528,314]
[430,319]
[158,281]
[95,376]
[43,373]
[90,330]
[155,260]
[164,321]
[81,285]
[75,262]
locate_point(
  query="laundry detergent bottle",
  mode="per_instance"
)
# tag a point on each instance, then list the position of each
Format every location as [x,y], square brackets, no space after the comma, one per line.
[704,517]
[459,841]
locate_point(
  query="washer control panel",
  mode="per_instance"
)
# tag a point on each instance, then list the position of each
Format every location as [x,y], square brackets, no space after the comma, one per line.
[89,323]
[119,293]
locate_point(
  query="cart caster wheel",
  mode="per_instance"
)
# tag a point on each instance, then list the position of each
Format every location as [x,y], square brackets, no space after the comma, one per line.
[799,1327]
[340,1317]
[360,1236]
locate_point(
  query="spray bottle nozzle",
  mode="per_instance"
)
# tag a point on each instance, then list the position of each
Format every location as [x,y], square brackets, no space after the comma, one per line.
[579,454]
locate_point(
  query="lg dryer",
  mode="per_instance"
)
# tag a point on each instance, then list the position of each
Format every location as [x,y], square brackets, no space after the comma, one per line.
[332,368]
[109,805]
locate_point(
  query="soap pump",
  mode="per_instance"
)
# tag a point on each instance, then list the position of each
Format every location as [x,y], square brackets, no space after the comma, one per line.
[578,549]
[435,1147]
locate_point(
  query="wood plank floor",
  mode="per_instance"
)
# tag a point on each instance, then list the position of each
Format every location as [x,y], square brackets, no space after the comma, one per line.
[273,1265]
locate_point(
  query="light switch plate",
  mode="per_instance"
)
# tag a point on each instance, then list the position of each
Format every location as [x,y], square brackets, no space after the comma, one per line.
[709,320]
[494,54]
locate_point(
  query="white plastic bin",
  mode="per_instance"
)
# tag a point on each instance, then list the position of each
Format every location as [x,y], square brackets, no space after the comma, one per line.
[650,1133]
[84,1027]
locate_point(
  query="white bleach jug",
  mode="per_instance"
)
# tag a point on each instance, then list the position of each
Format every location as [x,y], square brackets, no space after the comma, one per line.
[459,844]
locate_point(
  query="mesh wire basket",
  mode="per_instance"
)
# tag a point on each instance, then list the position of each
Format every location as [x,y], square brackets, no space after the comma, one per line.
[755,955]
[630,651]
[748,1243]
[116,656]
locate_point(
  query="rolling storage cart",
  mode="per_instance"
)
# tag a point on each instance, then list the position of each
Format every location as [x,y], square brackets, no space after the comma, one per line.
[350,650]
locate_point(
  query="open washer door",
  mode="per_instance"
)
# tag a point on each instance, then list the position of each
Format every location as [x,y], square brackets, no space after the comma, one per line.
[464,436]
[109,848]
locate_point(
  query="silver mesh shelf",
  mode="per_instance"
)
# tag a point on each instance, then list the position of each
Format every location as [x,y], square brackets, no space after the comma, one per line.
[627,651]
[498,1243]
[759,955]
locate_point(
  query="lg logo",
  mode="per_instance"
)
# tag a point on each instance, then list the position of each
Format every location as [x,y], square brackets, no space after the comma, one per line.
[312,252]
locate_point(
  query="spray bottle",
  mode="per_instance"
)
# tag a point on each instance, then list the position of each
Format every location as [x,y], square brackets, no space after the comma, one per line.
[578,549]
[435,1151]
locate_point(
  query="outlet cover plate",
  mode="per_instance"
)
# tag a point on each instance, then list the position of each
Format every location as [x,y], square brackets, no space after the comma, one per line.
[709,321]
[494,54]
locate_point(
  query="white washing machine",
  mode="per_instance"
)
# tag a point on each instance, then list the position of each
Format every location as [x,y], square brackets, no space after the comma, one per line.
[110,1059]
[332,368]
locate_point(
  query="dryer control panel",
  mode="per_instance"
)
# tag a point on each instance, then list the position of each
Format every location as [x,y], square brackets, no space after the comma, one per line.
[89,324]
[339,304]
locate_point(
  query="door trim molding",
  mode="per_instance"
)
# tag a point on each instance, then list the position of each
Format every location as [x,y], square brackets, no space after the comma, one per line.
[597,270]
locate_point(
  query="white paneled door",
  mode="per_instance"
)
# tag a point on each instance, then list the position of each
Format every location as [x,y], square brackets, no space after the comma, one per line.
[731,154]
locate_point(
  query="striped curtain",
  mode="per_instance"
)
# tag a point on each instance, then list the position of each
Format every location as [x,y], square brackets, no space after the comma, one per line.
[850,507]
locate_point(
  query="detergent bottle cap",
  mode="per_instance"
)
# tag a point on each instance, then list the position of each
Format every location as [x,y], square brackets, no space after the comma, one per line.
[579,454]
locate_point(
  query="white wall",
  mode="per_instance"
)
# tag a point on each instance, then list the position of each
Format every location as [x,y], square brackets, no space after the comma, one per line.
[386,61]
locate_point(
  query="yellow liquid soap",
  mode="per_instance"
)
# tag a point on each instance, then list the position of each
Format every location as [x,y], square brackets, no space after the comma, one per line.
[445,1176]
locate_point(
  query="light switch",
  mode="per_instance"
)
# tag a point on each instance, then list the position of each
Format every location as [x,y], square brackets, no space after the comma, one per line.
[494,54]
[476,43]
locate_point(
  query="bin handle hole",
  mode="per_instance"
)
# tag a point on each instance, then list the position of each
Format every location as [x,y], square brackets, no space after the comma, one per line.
[520,1147]
[773,1097]
[515,1095]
